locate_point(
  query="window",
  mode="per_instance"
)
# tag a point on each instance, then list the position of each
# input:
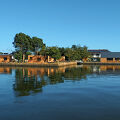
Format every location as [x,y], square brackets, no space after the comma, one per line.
[95,60]
[5,58]
[38,59]
[30,58]
[117,58]
[97,54]
[110,59]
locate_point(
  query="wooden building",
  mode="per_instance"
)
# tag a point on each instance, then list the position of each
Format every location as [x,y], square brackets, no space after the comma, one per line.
[96,54]
[104,56]
[42,59]
[5,58]
[39,59]
[111,57]
[62,59]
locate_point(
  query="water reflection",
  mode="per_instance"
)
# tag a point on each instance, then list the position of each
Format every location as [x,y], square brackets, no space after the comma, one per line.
[5,70]
[77,92]
[32,80]
[106,69]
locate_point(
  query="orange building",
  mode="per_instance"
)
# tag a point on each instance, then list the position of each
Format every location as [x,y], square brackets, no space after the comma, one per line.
[39,59]
[62,59]
[42,59]
[5,58]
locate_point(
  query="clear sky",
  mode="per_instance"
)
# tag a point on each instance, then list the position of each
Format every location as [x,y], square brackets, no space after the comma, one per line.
[94,23]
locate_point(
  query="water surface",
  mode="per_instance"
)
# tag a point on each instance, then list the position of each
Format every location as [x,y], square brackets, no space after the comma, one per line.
[65,93]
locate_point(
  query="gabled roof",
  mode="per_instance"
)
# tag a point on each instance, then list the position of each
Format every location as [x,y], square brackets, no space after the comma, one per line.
[98,50]
[110,55]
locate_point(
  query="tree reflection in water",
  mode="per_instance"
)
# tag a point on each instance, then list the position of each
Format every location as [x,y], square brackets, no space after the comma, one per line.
[32,80]
[25,84]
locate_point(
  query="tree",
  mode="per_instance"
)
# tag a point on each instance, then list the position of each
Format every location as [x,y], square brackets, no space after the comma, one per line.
[53,52]
[22,43]
[74,47]
[85,52]
[25,44]
[62,51]
[76,52]
[27,53]
[43,50]
[18,55]
[1,53]
[36,44]
[68,54]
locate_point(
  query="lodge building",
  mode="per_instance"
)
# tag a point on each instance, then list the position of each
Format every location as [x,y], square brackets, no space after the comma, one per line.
[104,56]
[110,57]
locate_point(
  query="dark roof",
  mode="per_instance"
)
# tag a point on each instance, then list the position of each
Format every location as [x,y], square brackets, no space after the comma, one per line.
[5,55]
[110,55]
[98,51]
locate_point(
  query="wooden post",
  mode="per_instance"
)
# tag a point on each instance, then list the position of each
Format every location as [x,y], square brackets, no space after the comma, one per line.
[114,60]
[48,58]
[23,58]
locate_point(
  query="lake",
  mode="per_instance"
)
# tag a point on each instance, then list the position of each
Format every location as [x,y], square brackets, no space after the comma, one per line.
[65,93]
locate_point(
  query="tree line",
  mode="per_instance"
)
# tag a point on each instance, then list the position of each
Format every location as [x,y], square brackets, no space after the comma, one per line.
[26,45]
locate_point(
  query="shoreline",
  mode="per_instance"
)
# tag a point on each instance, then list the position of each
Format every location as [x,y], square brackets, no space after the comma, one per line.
[56,64]
[59,64]
[99,63]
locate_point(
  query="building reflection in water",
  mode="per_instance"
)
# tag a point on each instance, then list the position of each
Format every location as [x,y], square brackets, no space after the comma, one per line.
[32,80]
[104,69]
[5,70]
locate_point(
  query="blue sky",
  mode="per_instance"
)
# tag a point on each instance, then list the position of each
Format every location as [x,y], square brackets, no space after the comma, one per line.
[94,23]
